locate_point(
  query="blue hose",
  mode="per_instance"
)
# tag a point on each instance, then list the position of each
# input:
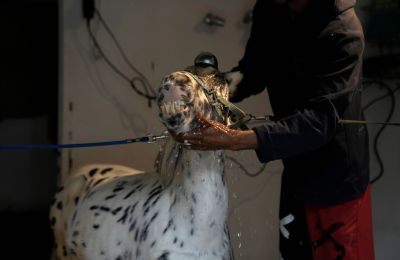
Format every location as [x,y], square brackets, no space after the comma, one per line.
[144,139]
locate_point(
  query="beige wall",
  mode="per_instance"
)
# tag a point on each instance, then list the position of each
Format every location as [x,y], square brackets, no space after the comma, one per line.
[159,37]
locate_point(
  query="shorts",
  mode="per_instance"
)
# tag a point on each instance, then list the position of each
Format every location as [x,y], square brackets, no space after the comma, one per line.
[339,232]
[342,231]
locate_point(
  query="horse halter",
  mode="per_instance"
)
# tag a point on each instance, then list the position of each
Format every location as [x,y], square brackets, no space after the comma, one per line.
[225,109]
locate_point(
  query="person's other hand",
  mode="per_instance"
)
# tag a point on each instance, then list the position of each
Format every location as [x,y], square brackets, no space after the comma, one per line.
[234,78]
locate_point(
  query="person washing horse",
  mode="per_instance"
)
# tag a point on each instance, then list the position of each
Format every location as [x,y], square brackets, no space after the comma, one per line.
[308,54]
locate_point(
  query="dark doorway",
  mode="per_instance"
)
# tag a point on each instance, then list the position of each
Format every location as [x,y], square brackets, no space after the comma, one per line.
[28,114]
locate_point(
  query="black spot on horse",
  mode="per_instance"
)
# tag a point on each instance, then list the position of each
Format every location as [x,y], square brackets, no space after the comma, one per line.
[104,171]
[60,205]
[103,208]
[115,211]
[194,198]
[155,191]
[132,226]
[93,207]
[72,252]
[145,231]
[168,226]
[164,256]
[98,182]
[174,121]
[110,196]
[138,252]
[136,235]
[166,87]
[74,216]
[93,172]
[137,188]
[118,189]
[124,216]
[146,210]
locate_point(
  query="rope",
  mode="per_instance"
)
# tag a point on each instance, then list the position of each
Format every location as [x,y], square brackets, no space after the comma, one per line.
[143,139]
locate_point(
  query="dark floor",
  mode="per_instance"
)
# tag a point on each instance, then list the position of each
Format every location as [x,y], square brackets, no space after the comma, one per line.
[25,235]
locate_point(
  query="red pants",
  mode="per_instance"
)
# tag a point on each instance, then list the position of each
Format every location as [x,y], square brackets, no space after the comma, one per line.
[342,231]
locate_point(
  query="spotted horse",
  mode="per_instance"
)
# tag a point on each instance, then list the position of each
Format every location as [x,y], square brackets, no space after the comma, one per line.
[179,212]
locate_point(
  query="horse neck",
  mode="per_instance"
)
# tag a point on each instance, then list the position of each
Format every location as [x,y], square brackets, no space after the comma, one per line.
[196,170]
[197,182]
[200,169]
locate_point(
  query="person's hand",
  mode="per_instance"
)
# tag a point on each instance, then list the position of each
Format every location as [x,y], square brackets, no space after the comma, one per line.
[213,135]
[233,79]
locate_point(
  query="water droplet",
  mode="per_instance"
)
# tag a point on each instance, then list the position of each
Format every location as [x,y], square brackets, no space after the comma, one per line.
[239,234]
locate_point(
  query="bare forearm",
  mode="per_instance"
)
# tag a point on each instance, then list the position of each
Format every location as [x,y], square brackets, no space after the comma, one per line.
[244,140]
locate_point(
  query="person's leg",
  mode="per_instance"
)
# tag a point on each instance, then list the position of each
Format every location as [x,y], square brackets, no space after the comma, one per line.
[294,240]
[342,231]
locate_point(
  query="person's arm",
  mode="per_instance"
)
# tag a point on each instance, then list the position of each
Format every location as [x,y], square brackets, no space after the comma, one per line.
[248,77]
[300,133]
[304,131]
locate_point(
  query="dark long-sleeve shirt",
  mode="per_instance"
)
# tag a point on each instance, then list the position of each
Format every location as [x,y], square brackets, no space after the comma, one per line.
[311,65]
